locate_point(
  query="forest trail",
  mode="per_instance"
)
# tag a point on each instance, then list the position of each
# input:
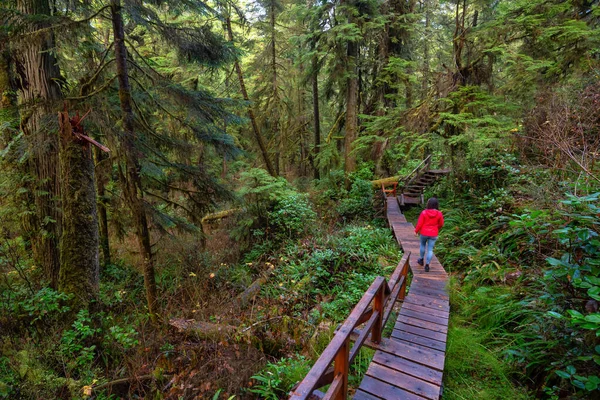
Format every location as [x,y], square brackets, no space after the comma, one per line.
[409,365]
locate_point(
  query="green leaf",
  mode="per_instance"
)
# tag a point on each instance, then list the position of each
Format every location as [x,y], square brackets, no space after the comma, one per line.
[555,314]
[595,318]
[575,314]
[592,383]
[578,384]
[563,374]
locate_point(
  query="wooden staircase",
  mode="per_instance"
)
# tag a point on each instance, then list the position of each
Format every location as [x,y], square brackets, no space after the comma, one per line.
[417,181]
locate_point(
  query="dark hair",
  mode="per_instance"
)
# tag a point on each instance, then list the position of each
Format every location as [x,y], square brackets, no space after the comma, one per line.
[432,203]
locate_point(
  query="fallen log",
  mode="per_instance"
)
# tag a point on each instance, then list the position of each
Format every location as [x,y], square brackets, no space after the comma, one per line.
[385,181]
[220,215]
[254,289]
[201,329]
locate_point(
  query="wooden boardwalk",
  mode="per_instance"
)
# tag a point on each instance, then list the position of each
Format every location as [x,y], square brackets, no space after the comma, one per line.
[409,365]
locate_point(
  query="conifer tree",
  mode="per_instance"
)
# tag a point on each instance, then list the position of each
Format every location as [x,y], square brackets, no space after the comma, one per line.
[251,114]
[39,97]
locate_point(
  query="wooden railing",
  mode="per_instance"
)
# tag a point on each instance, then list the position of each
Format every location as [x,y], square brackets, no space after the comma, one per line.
[373,310]
[391,191]
[415,173]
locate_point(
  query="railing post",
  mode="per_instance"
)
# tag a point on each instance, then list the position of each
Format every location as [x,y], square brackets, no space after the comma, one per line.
[404,275]
[341,366]
[378,307]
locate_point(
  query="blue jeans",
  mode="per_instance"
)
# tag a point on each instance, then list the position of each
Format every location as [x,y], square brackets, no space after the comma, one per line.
[428,241]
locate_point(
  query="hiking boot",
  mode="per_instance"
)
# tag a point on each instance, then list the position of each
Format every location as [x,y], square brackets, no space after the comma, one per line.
[420,262]
[427,268]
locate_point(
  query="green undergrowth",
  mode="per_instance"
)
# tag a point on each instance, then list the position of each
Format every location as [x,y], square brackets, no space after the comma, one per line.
[317,282]
[476,364]
[475,371]
[526,284]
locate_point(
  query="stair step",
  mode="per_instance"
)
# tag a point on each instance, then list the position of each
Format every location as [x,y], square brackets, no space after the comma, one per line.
[438,171]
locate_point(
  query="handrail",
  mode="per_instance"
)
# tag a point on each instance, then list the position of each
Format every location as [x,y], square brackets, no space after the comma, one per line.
[391,191]
[409,178]
[383,296]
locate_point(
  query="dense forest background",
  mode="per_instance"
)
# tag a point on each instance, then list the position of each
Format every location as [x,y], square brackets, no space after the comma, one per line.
[186,198]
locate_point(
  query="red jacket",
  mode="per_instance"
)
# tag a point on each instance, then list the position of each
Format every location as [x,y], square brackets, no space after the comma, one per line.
[430,222]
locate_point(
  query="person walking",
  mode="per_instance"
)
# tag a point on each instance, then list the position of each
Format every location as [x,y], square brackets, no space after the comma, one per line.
[429,224]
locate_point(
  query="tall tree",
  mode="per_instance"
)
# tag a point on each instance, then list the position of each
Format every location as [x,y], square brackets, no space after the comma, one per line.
[40,96]
[255,127]
[351,77]
[132,184]
[79,268]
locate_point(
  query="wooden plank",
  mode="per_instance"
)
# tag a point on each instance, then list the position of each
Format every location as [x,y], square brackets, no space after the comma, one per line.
[419,340]
[415,353]
[422,291]
[386,391]
[360,395]
[421,332]
[425,310]
[408,367]
[414,385]
[427,282]
[427,302]
[405,312]
[419,322]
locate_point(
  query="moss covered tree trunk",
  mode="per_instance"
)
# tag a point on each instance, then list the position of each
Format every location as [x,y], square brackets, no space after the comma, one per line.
[351,108]
[39,98]
[316,117]
[102,167]
[79,270]
[132,184]
[8,100]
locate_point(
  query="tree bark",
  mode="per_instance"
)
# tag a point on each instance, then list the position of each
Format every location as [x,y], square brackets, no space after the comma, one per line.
[426,72]
[102,165]
[316,117]
[40,96]
[8,100]
[259,139]
[132,184]
[79,270]
[351,109]
[274,115]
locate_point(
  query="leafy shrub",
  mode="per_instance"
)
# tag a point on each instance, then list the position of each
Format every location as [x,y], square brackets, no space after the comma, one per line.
[125,337]
[76,344]
[292,215]
[274,210]
[276,380]
[359,203]
[45,307]
[574,292]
